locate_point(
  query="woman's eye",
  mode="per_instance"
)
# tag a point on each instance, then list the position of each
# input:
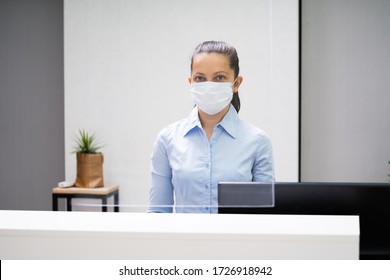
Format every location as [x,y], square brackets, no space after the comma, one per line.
[220,78]
[199,79]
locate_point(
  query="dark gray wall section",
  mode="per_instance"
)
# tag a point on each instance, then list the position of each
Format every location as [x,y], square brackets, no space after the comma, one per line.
[31,102]
[345,90]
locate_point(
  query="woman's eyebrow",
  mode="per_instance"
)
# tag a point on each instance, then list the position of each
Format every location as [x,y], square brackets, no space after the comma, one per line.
[198,73]
[221,72]
[214,74]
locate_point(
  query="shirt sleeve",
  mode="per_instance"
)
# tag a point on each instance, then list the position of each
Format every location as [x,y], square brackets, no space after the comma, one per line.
[263,168]
[161,190]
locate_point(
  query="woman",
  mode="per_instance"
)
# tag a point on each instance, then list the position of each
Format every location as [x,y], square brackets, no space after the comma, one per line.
[212,145]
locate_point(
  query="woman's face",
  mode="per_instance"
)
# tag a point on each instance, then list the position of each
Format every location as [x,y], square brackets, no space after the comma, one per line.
[213,67]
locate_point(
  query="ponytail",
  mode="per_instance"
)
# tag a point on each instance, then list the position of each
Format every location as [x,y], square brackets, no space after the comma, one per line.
[236,102]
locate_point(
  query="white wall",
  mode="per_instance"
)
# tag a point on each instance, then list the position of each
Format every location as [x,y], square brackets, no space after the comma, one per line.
[126,69]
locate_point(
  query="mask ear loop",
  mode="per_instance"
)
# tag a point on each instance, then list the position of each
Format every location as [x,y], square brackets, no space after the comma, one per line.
[234,81]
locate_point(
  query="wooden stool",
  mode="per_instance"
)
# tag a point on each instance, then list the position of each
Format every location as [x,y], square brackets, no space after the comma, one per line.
[102,193]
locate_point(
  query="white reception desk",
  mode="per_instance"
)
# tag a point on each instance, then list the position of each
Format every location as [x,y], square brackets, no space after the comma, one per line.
[95,235]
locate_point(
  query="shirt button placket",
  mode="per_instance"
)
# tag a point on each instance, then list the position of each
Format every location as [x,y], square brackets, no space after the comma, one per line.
[208,185]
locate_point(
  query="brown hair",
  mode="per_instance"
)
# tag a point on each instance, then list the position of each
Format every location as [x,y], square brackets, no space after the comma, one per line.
[230,52]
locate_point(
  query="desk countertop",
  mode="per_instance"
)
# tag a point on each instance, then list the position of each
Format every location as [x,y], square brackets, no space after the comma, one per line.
[178,235]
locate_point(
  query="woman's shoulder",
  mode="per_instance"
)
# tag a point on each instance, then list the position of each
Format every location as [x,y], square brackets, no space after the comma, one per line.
[254,136]
[180,127]
[174,130]
[252,130]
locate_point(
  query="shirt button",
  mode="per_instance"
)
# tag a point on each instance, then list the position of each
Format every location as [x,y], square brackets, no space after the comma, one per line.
[207,187]
[207,165]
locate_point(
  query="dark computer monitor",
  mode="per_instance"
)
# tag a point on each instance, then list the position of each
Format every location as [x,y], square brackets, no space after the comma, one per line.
[370,201]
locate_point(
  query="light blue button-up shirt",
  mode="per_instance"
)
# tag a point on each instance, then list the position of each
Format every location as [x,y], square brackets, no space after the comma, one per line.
[187,167]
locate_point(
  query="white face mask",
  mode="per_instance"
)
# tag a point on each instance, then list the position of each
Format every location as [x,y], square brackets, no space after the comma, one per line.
[212,97]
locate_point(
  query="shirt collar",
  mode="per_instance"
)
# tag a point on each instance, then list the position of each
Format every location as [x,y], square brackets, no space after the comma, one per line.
[192,121]
[229,122]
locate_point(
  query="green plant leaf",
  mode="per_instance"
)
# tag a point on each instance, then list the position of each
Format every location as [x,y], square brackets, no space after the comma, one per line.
[86,143]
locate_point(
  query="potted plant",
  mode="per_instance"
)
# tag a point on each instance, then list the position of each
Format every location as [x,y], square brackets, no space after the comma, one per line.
[89,161]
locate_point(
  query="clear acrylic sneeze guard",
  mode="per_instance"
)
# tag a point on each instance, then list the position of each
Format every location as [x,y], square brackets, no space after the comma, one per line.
[246,194]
